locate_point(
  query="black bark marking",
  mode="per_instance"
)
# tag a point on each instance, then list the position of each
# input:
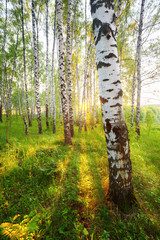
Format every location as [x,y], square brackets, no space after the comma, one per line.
[116,105]
[120,93]
[102,64]
[105,80]
[104,29]
[106,112]
[114,45]
[102,52]
[103,100]
[117,61]
[94,7]
[111,55]
[118,81]
[109,90]
[114,18]
[108,125]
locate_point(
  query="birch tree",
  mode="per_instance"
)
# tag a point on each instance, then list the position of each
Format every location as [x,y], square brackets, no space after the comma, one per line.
[47,123]
[24,65]
[69,84]
[3,64]
[53,88]
[36,70]
[62,75]
[139,45]
[116,133]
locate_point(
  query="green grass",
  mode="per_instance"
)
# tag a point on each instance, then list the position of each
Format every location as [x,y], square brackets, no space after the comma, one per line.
[60,192]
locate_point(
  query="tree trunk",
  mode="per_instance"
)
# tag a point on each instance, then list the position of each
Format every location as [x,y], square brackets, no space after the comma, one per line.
[47,123]
[53,88]
[85,71]
[3,63]
[133,97]
[62,76]
[69,84]
[13,71]
[24,63]
[139,45]
[116,133]
[36,71]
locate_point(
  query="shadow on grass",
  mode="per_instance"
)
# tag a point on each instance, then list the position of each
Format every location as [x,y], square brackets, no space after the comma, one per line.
[24,189]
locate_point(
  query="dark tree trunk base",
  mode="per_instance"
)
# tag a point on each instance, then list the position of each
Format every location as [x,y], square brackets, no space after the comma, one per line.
[124,199]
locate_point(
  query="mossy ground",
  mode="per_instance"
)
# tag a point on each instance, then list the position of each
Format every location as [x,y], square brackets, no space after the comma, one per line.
[60,192]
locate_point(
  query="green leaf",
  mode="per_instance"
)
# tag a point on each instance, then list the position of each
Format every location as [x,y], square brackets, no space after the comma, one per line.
[85,232]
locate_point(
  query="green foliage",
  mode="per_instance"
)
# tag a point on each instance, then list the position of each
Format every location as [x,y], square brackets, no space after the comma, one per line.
[150,118]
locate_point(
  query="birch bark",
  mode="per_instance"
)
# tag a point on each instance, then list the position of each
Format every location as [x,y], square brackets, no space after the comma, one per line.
[62,75]
[139,46]
[13,71]
[3,65]
[46,89]
[133,97]
[53,88]
[116,133]
[69,83]
[24,65]
[36,70]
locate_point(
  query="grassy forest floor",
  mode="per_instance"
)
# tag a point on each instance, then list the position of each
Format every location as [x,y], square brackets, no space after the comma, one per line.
[53,191]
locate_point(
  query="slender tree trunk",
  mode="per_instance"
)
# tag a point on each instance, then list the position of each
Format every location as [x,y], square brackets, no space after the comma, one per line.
[53,84]
[94,97]
[18,100]
[116,133]
[62,76]
[3,64]
[36,71]
[85,71]
[24,63]
[139,45]
[69,84]
[84,89]
[32,96]
[47,123]
[13,71]
[133,97]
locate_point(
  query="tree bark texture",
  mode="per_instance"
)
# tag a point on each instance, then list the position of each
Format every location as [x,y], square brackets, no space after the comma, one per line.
[139,46]
[85,71]
[69,83]
[3,65]
[13,71]
[24,65]
[46,88]
[36,71]
[116,133]
[62,75]
[53,88]
[133,97]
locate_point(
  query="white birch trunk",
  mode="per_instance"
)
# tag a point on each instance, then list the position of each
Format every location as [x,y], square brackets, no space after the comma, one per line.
[13,71]
[116,133]
[46,86]
[139,46]
[36,70]
[69,83]
[3,65]
[62,75]
[24,64]
[133,98]
[53,84]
